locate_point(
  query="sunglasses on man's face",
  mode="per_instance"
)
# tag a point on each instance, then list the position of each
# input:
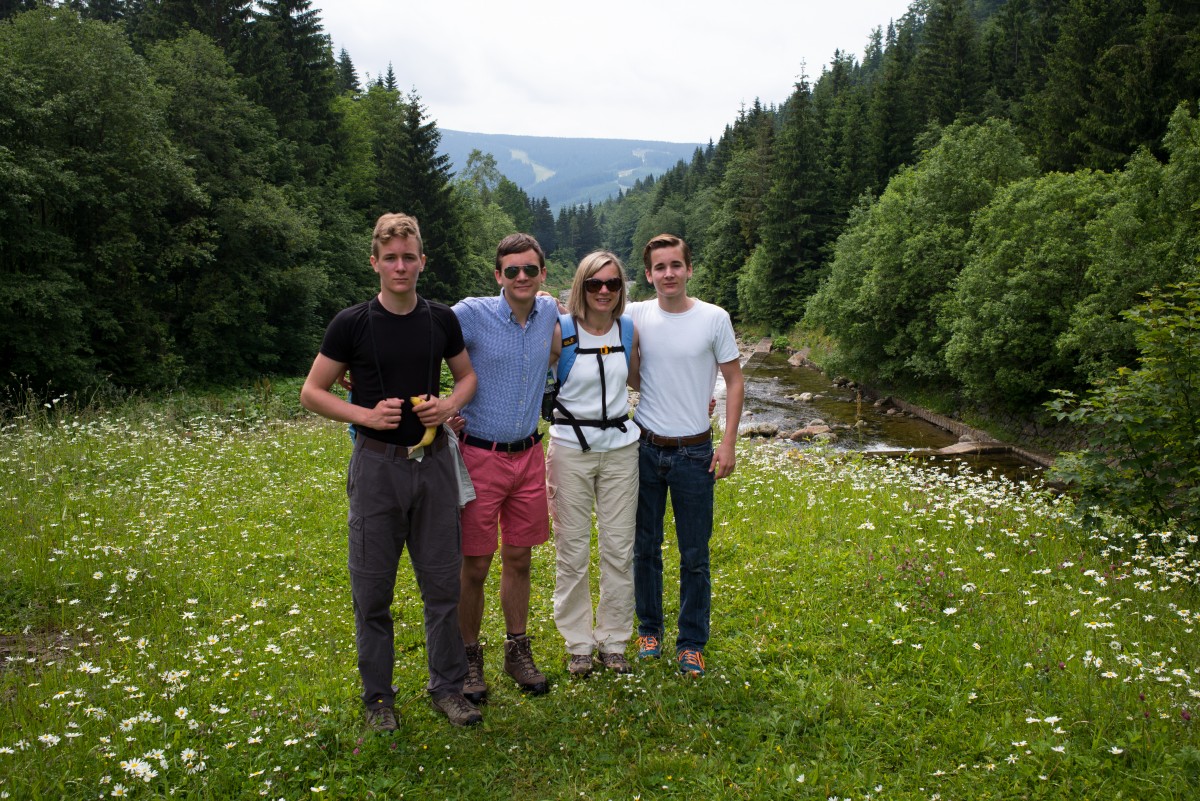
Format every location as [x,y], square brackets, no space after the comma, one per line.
[611,284]
[513,270]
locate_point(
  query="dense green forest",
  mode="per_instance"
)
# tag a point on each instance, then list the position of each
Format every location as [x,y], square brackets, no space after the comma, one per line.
[974,204]
[971,206]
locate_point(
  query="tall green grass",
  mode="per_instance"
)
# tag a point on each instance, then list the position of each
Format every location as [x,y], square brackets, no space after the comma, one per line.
[175,620]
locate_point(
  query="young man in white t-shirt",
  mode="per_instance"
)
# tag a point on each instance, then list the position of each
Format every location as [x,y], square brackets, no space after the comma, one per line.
[683,343]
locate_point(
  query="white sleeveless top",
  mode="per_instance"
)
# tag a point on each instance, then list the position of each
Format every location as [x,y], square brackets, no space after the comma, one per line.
[580,393]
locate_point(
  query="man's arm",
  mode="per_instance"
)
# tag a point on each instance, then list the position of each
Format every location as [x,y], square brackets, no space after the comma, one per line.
[316,397]
[725,457]
[436,411]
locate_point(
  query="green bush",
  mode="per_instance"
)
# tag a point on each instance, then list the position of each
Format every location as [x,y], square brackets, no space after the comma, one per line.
[1143,425]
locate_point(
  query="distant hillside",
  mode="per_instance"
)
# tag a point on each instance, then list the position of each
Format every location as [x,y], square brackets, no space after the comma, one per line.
[568,171]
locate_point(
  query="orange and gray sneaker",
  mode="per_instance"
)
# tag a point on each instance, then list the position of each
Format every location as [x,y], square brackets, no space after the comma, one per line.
[649,647]
[691,662]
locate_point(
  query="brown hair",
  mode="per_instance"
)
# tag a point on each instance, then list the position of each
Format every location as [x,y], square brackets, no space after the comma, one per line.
[393,225]
[519,243]
[593,263]
[666,241]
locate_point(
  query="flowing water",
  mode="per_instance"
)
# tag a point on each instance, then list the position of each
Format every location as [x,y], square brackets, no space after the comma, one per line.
[772,387]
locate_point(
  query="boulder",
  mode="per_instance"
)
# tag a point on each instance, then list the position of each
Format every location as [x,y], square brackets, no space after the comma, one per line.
[810,432]
[759,430]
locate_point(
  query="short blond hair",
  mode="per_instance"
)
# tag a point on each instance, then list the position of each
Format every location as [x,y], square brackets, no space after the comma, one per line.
[392,225]
[593,263]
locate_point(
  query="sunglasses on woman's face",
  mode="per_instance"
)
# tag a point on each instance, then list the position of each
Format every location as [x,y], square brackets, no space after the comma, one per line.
[593,285]
[513,270]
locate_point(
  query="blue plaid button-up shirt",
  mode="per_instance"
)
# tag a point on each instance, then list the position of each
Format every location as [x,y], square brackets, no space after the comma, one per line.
[510,362]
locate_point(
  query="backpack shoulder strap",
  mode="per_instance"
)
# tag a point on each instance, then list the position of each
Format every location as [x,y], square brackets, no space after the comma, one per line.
[570,342]
[625,324]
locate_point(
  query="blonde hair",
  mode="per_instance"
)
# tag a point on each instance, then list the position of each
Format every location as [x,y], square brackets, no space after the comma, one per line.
[390,226]
[593,263]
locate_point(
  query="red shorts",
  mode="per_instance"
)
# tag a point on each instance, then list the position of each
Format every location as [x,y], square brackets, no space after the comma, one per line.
[510,494]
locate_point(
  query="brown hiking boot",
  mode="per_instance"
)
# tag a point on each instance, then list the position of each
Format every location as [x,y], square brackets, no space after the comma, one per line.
[579,665]
[518,663]
[475,688]
[381,718]
[616,662]
[457,709]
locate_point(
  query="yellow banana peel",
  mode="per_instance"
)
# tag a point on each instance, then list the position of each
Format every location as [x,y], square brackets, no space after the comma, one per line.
[430,431]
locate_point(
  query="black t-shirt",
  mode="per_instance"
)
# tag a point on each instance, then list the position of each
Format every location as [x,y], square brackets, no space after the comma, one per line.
[371,340]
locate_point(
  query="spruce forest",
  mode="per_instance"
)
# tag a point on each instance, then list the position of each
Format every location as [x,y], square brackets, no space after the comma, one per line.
[975,202]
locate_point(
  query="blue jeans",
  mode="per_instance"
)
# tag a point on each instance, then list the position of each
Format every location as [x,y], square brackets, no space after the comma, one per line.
[683,472]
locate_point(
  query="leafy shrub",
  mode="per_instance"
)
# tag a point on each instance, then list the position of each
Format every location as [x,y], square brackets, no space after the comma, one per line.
[1143,425]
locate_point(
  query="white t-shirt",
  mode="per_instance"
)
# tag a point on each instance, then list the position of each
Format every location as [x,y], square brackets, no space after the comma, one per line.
[680,357]
[580,393]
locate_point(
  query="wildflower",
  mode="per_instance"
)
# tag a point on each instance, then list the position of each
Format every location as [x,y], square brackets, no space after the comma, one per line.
[1115,750]
[949,610]
[118,791]
[181,713]
[1059,748]
[49,740]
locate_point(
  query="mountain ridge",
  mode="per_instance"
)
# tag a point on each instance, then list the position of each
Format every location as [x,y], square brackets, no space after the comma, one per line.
[568,171]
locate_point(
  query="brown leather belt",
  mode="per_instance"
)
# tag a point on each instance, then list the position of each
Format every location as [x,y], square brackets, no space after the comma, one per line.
[504,447]
[402,451]
[675,442]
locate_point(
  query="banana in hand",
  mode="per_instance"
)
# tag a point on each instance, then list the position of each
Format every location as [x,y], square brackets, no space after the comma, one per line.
[430,431]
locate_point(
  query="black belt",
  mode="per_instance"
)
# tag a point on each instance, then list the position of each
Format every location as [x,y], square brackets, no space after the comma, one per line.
[675,442]
[504,447]
[402,451]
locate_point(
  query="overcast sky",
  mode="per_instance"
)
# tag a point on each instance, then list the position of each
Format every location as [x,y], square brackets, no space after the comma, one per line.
[665,70]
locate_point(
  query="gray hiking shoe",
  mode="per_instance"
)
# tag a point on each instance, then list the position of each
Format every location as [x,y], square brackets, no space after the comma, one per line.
[518,663]
[457,709]
[579,665]
[381,718]
[475,688]
[616,662]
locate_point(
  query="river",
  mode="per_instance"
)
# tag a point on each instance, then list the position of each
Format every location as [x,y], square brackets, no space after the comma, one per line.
[772,387]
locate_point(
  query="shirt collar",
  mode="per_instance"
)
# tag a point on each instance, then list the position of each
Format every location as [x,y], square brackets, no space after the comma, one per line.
[506,313]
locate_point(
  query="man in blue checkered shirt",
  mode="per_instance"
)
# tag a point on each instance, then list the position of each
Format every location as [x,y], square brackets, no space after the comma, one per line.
[508,338]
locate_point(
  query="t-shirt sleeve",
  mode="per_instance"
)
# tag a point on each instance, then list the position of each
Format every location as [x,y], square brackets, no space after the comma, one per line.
[725,347]
[338,343]
[455,343]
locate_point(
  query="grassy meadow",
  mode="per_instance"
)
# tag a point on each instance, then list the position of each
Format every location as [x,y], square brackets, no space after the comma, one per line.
[175,621]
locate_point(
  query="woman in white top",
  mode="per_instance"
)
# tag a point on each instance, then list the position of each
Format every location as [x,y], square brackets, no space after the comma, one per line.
[592,462]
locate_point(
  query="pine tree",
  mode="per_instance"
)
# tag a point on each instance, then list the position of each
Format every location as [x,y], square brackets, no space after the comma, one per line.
[798,224]
[290,70]
[948,66]
[347,75]
[414,178]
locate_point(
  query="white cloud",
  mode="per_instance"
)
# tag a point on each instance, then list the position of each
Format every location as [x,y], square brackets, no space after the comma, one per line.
[670,70]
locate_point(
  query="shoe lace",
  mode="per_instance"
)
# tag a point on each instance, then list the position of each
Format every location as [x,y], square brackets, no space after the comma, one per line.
[648,642]
[474,663]
[523,654]
[691,659]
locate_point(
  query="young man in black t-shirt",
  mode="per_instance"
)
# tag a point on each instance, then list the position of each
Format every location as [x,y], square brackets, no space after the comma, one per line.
[401,493]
